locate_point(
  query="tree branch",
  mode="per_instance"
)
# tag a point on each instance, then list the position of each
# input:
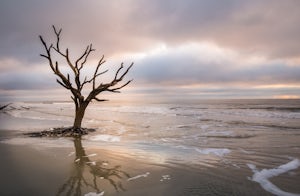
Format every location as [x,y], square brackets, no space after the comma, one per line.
[84,56]
[76,67]
[117,73]
[57,33]
[92,79]
[100,100]
[57,80]
[106,87]
[101,61]
[48,56]
[116,79]
[115,90]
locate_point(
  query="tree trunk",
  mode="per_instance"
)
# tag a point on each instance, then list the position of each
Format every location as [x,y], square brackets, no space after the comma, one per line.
[79,113]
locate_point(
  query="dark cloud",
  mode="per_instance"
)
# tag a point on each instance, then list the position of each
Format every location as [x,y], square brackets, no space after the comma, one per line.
[252,26]
[114,26]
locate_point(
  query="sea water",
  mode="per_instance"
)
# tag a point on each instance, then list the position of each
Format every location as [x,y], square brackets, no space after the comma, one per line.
[257,139]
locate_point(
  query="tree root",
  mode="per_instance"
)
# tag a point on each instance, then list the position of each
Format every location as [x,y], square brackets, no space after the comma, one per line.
[61,132]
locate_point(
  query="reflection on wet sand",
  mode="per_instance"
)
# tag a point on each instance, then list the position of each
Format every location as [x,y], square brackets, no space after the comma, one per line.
[89,175]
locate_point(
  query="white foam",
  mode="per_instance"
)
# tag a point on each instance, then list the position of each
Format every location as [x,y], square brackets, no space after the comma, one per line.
[36,115]
[91,121]
[121,131]
[263,176]
[90,155]
[138,109]
[218,133]
[106,138]
[139,176]
[182,147]
[165,177]
[91,162]
[94,194]
[164,139]
[215,151]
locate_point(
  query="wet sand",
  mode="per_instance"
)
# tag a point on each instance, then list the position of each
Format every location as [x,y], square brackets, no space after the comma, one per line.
[30,169]
[124,159]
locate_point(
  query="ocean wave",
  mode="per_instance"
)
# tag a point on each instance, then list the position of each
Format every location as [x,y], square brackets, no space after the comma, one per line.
[214,151]
[263,125]
[105,138]
[185,126]
[273,108]
[280,126]
[227,134]
[220,152]
[28,112]
[193,115]
[242,136]
[136,109]
[210,120]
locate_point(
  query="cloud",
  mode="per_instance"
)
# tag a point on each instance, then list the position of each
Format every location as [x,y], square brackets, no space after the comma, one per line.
[249,26]
[172,42]
[208,64]
[135,25]
[18,76]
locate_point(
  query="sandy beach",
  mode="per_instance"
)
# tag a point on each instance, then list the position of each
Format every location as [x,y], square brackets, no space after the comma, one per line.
[30,169]
[135,159]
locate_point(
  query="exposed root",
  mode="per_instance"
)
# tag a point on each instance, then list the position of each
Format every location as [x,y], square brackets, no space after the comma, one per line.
[61,132]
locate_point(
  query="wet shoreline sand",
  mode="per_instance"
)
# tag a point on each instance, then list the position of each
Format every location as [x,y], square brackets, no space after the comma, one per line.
[152,150]
[31,169]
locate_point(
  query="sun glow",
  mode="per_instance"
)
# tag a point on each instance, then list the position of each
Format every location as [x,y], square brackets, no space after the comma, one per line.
[286,97]
[277,86]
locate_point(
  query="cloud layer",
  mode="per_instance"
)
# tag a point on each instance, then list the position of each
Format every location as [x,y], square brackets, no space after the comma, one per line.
[205,64]
[173,43]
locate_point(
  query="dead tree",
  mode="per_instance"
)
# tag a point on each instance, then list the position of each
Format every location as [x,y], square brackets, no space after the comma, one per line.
[77,84]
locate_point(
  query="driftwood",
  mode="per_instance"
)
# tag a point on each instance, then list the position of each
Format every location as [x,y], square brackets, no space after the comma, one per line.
[2,107]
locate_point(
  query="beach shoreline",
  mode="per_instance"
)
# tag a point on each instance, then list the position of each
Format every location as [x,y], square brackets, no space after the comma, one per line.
[44,170]
[151,150]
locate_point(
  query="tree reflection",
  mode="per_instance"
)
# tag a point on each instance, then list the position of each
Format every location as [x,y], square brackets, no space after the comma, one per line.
[87,174]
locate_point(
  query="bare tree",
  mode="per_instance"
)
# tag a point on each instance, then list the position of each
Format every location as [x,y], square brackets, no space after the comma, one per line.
[77,84]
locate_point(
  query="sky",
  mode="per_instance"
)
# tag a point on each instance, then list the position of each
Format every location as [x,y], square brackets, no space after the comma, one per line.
[198,49]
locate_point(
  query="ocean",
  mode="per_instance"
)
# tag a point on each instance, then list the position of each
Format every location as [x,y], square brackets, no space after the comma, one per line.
[208,147]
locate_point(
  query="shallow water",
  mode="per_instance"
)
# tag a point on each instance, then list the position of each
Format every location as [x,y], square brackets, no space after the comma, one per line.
[216,147]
